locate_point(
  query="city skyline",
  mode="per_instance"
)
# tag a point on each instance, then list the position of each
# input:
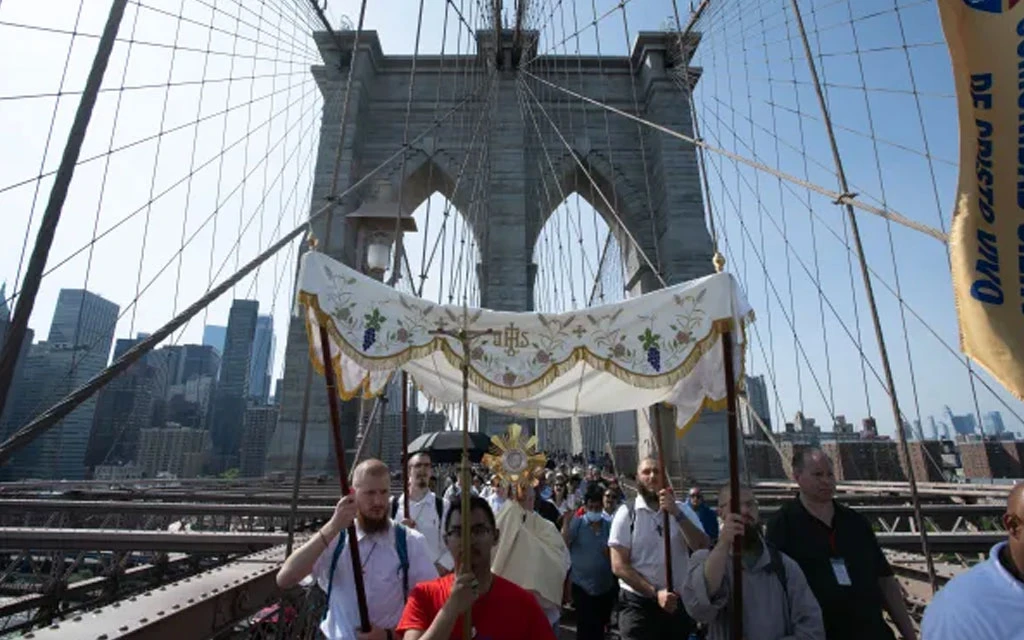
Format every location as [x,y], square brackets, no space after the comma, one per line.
[798,377]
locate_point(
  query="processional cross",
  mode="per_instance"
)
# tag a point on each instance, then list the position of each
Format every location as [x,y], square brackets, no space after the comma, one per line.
[465,336]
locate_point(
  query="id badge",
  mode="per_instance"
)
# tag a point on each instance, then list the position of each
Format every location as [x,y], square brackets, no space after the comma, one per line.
[842,575]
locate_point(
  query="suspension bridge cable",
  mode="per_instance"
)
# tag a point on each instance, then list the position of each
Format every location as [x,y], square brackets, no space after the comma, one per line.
[642,254]
[399,245]
[641,134]
[877,277]
[844,199]
[890,384]
[762,259]
[888,226]
[183,180]
[55,204]
[98,342]
[430,169]
[53,415]
[49,137]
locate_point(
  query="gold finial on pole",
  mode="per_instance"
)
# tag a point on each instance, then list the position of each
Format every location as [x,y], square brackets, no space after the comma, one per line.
[311,240]
[719,261]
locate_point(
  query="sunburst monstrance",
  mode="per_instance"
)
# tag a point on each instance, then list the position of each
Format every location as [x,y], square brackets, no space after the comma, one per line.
[514,457]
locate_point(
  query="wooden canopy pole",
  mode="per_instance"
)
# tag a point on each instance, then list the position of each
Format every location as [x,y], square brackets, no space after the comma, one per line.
[465,338]
[734,484]
[339,454]
[405,442]
[467,622]
[667,538]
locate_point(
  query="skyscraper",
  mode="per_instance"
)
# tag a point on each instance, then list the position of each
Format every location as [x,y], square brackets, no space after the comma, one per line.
[5,311]
[757,397]
[228,418]
[81,334]
[5,322]
[260,423]
[198,360]
[214,336]
[124,406]
[993,422]
[963,425]
[262,360]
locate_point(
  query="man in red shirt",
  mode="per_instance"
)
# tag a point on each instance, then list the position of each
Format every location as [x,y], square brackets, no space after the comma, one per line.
[500,609]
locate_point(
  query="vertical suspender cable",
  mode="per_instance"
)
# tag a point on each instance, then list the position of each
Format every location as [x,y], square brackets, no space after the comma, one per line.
[58,194]
[308,383]
[869,293]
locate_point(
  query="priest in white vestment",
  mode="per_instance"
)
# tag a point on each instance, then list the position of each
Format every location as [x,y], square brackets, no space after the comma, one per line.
[531,553]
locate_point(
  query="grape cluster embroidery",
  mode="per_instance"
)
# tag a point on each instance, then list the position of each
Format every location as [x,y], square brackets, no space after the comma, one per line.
[649,340]
[373,322]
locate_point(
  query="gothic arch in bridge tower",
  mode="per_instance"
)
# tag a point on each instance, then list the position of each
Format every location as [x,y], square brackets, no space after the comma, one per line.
[435,171]
[627,213]
[656,185]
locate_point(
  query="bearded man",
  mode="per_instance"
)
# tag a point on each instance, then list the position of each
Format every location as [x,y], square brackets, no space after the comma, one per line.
[394,559]
[777,602]
[648,607]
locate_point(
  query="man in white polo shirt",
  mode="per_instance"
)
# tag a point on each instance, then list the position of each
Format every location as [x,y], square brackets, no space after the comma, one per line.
[426,511]
[649,609]
[394,560]
[987,601]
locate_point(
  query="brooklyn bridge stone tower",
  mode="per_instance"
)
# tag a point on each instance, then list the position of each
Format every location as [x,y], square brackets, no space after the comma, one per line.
[655,191]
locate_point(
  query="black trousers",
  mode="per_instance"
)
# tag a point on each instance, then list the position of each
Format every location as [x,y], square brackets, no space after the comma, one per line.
[592,612]
[642,619]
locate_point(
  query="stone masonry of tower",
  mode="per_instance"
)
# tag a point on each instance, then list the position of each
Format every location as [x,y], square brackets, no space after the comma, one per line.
[655,191]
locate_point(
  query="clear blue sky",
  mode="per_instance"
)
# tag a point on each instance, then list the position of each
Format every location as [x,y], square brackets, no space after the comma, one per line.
[750,56]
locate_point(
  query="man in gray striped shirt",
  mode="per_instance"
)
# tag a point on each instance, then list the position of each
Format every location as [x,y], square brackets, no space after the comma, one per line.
[777,602]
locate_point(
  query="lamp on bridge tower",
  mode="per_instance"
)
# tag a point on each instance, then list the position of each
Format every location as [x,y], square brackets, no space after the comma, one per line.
[376,221]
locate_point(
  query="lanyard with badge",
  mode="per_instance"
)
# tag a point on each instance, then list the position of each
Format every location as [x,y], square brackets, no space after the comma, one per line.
[838,563]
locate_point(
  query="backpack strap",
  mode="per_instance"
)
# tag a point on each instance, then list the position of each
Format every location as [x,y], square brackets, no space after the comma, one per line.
[402,547]
[334,567]
[632,523]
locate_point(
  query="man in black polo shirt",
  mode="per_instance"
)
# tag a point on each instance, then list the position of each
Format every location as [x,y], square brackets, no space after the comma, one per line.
[839,554]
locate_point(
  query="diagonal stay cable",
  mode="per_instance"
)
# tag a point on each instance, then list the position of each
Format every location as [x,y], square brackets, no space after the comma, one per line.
[593,183]
[152,85]
[847,198]
[562,195]
[138,42]
[149,138]
[58,411]
[167,190]
[879,278]
[153,280]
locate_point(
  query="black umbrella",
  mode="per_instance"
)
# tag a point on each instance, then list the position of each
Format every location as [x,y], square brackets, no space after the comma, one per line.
[445,447]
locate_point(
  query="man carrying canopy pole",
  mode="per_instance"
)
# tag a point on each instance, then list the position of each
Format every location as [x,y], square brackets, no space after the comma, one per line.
[678,341]
[649,606]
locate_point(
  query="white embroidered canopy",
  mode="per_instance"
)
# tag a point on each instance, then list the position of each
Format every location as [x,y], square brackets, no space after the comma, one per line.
[660,347]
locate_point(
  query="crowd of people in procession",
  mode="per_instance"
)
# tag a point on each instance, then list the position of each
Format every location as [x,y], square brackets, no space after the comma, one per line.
[572,540]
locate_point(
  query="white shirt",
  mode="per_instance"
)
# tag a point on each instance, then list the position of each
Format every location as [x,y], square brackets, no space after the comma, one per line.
[452,492]
[646,549]
[982,603]
[382,578]
[496,502]
[428,523]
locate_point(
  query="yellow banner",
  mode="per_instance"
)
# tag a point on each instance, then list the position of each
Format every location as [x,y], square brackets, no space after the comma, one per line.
[986,243]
